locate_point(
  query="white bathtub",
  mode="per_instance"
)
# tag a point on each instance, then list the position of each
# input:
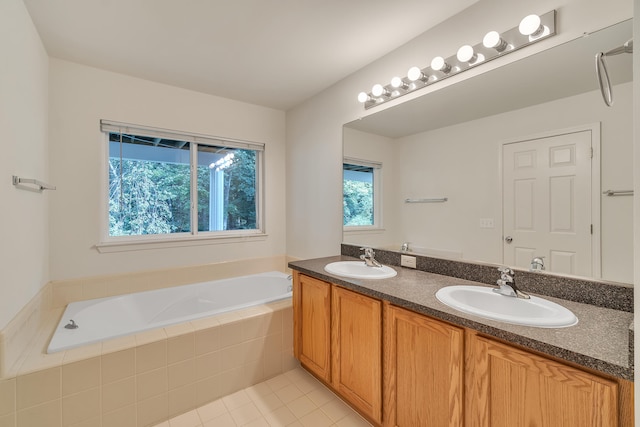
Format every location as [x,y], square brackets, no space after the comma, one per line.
[112,317]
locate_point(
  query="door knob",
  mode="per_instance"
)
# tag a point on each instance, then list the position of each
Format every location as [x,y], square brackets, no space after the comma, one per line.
[508,239]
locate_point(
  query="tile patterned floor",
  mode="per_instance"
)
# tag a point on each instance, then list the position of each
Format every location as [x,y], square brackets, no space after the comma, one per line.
[293,399]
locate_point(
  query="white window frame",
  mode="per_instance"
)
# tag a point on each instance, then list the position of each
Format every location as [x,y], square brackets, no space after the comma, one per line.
[109,243]
[377,196]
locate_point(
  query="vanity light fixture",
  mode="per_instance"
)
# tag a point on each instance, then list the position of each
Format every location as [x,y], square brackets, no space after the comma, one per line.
[531,29]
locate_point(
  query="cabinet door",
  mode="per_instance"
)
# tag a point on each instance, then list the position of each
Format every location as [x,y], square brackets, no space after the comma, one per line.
[511,388]
[312,324]
[424,378]
[357,347]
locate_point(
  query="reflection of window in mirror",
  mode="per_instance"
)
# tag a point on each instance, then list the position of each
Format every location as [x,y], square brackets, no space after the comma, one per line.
[361,194]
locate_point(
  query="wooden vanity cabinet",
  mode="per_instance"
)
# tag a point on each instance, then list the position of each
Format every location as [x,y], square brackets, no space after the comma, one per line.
[424,371]
[356,342]
[312,324]
[403,369]
[511,387]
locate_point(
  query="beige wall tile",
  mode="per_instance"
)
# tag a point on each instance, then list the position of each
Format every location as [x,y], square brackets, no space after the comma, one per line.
[289,362]
[254,349]
[118,344]
[118,365]
[208,365]
[48,414]
[230,334]
[179,329]
[180,348]
[232,357]
[272,364]
[81,353]
[151,356]
[208,390]
[38,387]
[151,336]
[153,410]
[151,384]
[182,400]
[93,422]
[63,294]
[273,344]
[230,381]
[118,394]
[7,396]
[80,376]
[252,373]
[8,420]
[124,417]
[207,340]
[181,373]
[80,407]
[275,323]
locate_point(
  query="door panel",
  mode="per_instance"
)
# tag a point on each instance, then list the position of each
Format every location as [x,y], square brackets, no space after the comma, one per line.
[547,202]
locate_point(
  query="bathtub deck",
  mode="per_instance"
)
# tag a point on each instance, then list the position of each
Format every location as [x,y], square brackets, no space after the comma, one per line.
[293,399]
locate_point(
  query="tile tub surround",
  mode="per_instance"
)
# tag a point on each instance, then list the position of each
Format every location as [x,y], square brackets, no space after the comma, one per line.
[616,296]
[149,377]
[599,341]
[23,328]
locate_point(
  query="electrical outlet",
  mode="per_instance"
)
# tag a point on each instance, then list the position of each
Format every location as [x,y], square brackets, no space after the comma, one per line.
[408,261]
[486,223]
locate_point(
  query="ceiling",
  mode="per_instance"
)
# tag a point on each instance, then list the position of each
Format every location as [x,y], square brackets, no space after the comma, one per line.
[275,53]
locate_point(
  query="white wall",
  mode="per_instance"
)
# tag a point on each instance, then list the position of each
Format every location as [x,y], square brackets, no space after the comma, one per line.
[24,224]
[79,97]
[314,144]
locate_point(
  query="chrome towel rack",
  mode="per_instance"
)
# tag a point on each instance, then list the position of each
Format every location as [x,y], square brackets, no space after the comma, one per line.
[618,193]
[20,182]
[432,200]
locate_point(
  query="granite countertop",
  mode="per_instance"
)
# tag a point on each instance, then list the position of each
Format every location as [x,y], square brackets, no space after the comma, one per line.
[599,341]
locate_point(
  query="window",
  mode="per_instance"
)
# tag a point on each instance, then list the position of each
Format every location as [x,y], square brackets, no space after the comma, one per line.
[165,184]
[361,194]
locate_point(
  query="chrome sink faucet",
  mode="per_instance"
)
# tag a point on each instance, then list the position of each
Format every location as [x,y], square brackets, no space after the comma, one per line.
[507,284]
[369,257]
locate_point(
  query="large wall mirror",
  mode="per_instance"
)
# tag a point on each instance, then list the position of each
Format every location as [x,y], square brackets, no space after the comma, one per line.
[508,165]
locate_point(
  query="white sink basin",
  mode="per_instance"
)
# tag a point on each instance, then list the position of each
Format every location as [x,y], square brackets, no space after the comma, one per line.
[359,270]
[485,303]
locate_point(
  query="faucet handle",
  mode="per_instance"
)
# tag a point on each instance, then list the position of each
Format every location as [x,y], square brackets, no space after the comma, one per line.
[368,252]
[505,270]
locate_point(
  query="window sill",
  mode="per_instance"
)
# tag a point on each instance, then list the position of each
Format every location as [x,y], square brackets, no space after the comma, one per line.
[175,242]
[363,230]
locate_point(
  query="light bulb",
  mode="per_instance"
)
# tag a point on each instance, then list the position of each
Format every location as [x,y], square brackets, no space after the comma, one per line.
[397,83]
[363,97]
[378,90]
[530,25]
[466,54]
[438,64]
[414,74]
[492,40]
